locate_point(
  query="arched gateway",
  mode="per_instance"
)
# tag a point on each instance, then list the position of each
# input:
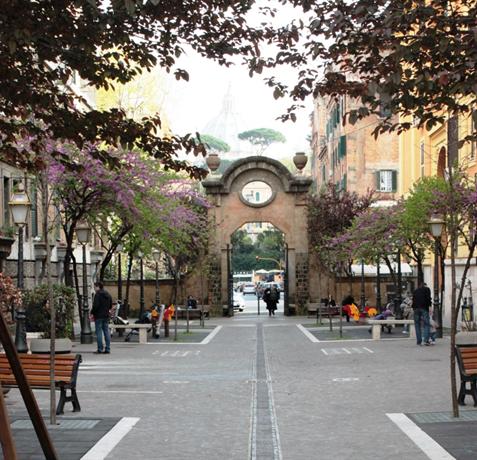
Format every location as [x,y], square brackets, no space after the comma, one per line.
[285,208]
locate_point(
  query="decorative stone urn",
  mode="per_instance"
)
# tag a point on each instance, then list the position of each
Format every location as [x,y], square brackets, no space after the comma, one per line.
[6,244]
[300,159]
[213,161]
[42,346]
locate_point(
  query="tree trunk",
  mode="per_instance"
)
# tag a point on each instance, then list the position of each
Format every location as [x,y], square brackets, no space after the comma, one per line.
[128,284]
[51,298]
[420,270]
[453,231]
[455,405]
[77,287]
[105,263]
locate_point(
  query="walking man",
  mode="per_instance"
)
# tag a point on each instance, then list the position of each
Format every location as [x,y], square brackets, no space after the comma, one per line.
[102,305]
[421,301]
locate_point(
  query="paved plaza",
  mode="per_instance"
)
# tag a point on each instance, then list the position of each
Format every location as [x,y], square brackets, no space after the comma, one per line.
[266,388]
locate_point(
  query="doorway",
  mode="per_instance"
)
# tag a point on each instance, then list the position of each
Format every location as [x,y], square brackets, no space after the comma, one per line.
[258,260]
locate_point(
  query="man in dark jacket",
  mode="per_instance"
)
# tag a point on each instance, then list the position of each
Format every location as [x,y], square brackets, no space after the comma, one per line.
[421,301]
[102,305]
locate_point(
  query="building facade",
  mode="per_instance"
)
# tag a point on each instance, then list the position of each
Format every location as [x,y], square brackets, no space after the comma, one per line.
[349,156]
[424,153]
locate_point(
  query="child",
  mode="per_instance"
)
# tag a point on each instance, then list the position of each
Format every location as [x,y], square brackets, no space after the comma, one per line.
[432,329]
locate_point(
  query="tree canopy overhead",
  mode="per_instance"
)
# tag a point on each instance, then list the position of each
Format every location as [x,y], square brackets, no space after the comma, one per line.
[214,143]
[407,57]
[262,138]
[44,46]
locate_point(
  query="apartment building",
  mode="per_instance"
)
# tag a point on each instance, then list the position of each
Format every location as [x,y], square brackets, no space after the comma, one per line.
[349,156]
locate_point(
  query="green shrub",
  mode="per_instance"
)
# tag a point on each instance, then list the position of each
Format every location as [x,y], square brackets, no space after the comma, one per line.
[38,312]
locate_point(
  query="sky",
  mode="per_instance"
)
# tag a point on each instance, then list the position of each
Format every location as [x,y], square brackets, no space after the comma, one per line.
[190,105]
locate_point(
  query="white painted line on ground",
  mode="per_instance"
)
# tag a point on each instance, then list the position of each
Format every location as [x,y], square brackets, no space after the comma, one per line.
[111,439]
[122,391]
[240,325]
[324,351]
[307,333]
[346,351]
[367,349]
[209,338]
[175,382]
[346,379]
[422,440]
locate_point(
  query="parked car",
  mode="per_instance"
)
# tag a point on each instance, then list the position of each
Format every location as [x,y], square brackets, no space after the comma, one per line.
[239,301]
[249,288]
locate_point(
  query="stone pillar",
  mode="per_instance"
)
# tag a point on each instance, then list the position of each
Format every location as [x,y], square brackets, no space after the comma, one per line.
[302,281]
[215,284]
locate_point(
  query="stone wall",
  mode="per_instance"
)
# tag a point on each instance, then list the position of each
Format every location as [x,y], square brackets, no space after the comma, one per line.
[302,281]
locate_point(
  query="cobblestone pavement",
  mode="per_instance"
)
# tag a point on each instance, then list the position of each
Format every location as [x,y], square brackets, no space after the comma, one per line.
[262,389]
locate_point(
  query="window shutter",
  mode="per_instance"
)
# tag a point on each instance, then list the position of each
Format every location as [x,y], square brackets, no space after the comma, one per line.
[378,180]
[394,181]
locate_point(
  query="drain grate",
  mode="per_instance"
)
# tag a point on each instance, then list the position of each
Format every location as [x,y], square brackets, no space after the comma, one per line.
[64,425]
[443,417]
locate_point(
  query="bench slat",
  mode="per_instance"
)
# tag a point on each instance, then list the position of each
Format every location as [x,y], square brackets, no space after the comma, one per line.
[37,378]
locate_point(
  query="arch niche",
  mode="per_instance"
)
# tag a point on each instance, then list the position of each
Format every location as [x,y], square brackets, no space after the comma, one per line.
[286,210]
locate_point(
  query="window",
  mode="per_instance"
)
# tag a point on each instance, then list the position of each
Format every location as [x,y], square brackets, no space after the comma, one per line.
[323,174]
[422,159]
[386,181]
[342,147]
[6,199]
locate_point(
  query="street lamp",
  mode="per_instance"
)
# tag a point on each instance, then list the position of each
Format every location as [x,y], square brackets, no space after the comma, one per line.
[363,294]
[378,285]
[83,233]
[156,254]
[140,254]
[20,204]
[119,249]
[436,224]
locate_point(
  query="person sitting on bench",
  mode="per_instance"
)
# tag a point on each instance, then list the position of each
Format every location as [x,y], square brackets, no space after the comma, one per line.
[383,315]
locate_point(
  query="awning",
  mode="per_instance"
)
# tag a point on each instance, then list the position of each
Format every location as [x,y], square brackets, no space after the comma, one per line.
[371,270]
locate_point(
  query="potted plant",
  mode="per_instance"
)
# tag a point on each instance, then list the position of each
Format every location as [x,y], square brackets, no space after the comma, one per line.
[38,317]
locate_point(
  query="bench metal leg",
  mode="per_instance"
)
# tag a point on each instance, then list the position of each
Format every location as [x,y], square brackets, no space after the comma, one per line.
[376,331]
[473,391]
[412,331]
[461,398]
[75,402]
[61,402]
[142,335]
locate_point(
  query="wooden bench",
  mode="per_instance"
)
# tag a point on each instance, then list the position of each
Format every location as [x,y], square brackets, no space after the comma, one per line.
[142,328]
[377,325]
[467,361]
[37,371]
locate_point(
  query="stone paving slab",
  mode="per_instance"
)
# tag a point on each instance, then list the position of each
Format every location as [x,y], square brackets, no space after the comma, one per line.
[456,435]
[194,336]
[71,440]
[354,333]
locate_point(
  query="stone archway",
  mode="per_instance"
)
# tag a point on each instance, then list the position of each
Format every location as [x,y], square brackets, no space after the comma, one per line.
[286,210]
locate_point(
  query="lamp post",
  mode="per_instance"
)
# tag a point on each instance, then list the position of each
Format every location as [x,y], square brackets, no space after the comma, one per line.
[399,287]
[156,254]
[119,249]
[140,254]
[20,204]
[436,224]
[83,233]
[378,285]
[363,295]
